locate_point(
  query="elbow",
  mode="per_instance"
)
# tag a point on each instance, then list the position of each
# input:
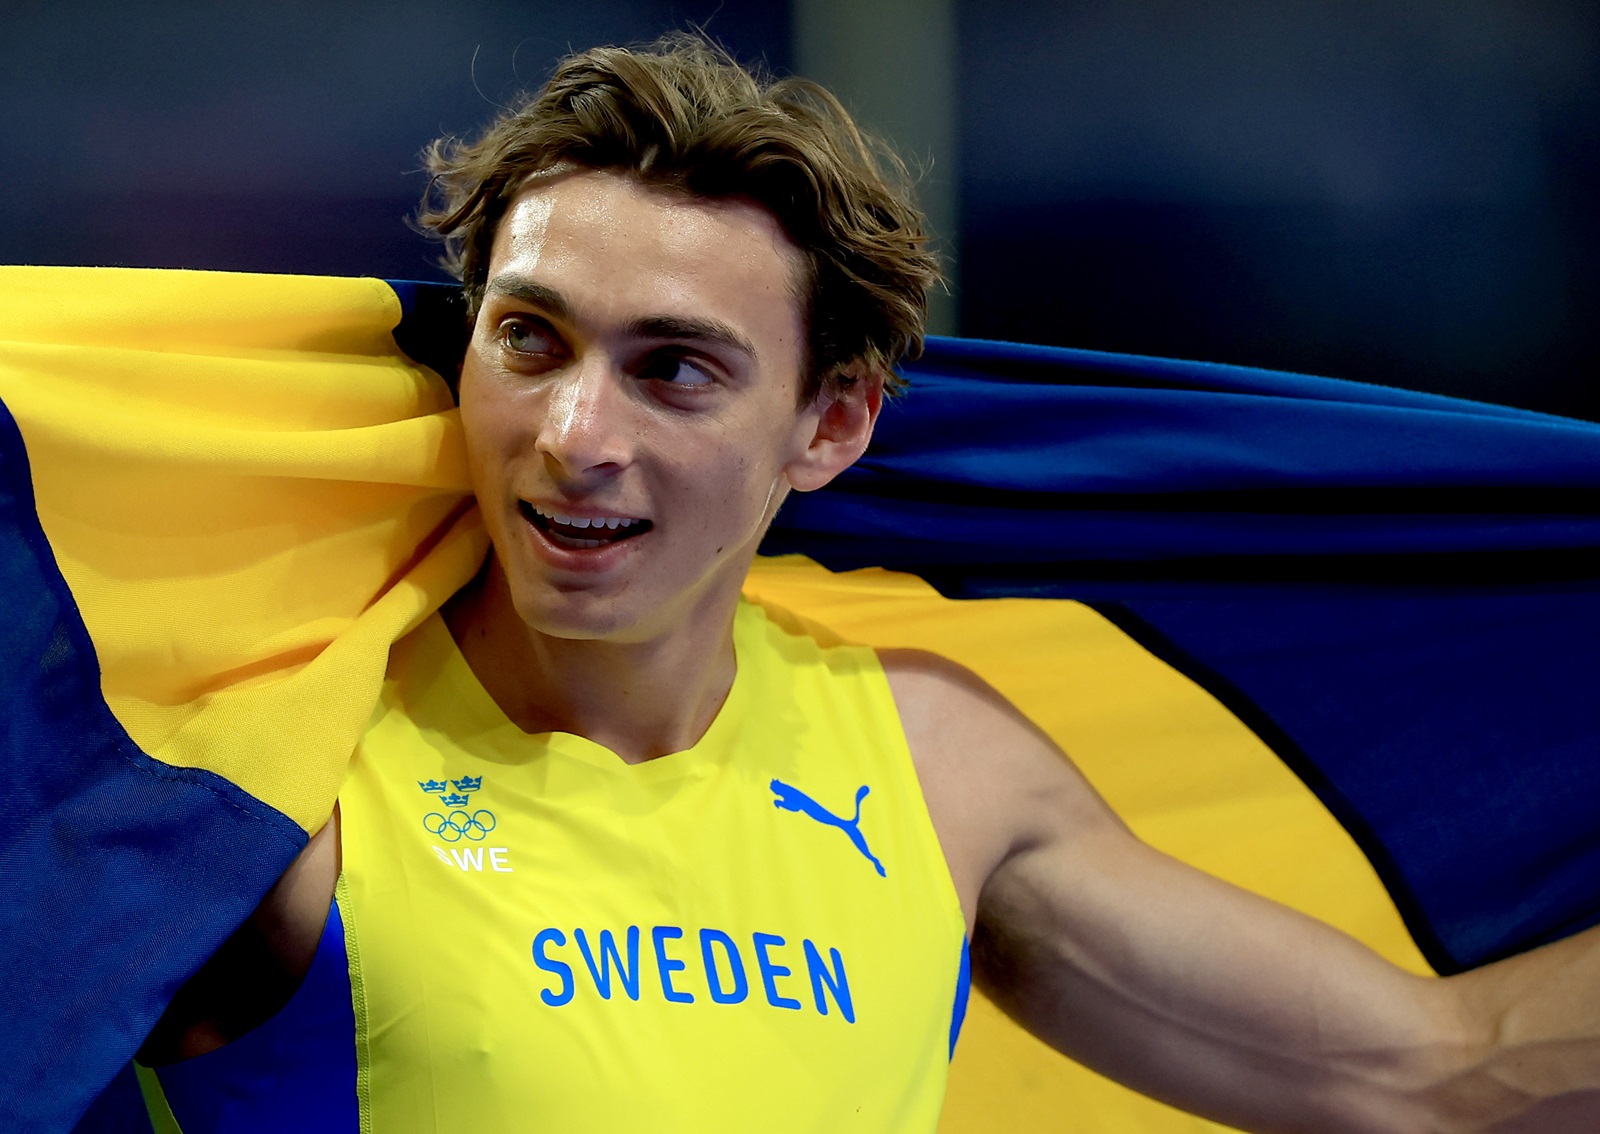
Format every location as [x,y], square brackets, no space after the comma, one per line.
[1433,1077]
[1458,1080]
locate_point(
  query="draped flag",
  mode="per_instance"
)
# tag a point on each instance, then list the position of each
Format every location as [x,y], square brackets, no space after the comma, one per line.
[1330,641]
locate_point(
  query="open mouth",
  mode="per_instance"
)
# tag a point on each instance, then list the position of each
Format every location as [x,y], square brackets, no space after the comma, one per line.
[582,533]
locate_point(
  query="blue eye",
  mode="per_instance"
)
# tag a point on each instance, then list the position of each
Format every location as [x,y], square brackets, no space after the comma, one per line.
[526,337]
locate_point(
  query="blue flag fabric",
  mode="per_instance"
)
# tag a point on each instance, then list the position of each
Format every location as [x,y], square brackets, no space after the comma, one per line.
[100,917]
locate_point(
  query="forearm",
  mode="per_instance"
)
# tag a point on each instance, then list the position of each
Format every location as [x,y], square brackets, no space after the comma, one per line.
[1532,1057]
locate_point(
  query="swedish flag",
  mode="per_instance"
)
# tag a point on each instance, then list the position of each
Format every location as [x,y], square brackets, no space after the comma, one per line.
[1332,642]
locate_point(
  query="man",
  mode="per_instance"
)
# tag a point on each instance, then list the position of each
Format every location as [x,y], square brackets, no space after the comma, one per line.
[720,868]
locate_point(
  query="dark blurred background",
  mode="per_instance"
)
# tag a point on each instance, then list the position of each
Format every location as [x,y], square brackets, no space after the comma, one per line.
[1405,192]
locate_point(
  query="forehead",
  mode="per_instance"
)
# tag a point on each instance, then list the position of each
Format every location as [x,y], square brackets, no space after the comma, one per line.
[613,246]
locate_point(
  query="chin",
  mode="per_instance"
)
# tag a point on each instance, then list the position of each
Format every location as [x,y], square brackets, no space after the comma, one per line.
[579,618]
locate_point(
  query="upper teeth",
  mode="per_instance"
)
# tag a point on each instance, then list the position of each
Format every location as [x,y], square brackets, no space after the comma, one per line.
[585,521]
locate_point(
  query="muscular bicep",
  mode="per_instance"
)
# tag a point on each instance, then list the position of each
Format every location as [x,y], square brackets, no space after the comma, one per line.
[1201,994]
[1171,981]
[994,784]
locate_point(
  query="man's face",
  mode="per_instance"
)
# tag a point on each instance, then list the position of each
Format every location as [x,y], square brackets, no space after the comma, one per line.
[630,402]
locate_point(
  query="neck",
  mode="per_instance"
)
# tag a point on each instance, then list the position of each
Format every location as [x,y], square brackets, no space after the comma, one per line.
[639,699]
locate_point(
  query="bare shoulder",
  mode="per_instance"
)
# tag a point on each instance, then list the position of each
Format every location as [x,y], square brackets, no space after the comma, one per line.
[996,786]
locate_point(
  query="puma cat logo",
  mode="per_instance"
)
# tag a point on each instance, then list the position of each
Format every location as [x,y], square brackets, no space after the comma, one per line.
[793,799]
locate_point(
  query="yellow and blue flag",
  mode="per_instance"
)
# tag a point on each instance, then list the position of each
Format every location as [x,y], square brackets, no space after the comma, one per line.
[1330,641]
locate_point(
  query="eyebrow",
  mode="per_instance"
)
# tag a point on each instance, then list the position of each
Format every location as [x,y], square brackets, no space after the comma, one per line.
[534,294]
[684,328]
[692,329]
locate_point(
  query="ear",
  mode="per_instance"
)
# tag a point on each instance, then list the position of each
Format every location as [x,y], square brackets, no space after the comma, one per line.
[835,430]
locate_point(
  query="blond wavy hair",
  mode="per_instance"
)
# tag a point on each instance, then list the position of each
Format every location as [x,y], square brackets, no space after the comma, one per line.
[682,116]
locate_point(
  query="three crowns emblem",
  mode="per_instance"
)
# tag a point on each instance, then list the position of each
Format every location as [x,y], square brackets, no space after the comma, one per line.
[460,797]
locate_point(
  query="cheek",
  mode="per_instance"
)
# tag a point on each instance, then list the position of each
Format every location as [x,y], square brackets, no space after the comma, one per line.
[469,398]
[749,475]
[477,436]
[488,420]
[717,487]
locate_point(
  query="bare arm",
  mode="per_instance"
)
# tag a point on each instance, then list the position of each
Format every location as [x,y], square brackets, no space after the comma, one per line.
[1206,996]
[255,972]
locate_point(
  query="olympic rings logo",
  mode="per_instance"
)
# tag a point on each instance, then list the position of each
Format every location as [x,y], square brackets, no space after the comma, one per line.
[457,825]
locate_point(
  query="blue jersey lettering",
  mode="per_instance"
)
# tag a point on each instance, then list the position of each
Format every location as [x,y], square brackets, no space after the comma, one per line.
[835,981]
[741,986]
[771,970]
[550,965]
[666,965]
[601,972]
[727,977]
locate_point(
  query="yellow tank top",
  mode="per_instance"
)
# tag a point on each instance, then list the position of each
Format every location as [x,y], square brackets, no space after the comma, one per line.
[757,933]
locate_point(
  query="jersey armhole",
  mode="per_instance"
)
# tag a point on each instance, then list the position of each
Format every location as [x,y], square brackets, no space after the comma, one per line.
[155,1102]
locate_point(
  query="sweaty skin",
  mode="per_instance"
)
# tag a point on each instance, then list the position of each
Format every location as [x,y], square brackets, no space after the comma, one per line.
[631,404]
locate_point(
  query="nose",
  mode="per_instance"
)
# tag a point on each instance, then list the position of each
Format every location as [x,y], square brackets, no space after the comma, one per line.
[586,429]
